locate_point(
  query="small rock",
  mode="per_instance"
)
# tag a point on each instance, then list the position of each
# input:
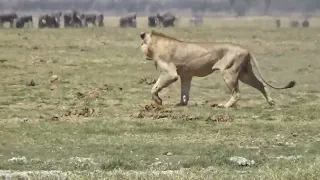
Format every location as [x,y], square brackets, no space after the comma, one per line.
[25,119]
[241,161]
[280,143]
[31,83]
[80,95]
[54,78]
[168,153]
[55,117]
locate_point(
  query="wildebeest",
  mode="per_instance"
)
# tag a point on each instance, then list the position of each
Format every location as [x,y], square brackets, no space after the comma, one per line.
[88,18]
[67,20]
[57,16]
[167,19]
[196,20]
[9,17]
[24,19]
[278,23]
[73,19]
[100,18]
[48,21]
[305,23]
[129,20]
[152,21]
[294,24]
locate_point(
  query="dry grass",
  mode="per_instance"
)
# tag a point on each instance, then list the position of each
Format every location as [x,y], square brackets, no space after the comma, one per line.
[71,98]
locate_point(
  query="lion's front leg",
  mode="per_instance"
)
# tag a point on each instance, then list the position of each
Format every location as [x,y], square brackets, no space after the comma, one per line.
[164,81]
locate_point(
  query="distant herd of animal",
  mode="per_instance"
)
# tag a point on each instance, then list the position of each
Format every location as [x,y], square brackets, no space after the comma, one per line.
[294,23]
[53,20]
[76,19]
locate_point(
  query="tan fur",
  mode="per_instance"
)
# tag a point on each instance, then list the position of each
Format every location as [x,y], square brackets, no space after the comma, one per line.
[177,58]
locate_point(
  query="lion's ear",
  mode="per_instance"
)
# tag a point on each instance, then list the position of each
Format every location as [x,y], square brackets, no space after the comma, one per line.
[142,35]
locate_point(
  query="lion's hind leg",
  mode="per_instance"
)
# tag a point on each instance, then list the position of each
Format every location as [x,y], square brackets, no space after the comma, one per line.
[247,76]
[185,90]
[230,77]
[230,72]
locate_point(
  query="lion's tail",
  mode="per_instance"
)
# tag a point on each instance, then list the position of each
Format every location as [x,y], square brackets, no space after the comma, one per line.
[289,85]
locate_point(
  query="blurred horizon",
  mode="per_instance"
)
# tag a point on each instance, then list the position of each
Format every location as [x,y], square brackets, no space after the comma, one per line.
[306,8]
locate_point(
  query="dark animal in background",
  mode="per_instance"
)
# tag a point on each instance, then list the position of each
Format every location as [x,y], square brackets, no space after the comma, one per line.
[152,21]
[294,24]
[166,20]
[100,19]
[73,19]
[305,24]
[58,16]
[48,21]
[20,23]
[67,20]
[91,18]
[278,23]
[9,17]
[42,23]
[128,21]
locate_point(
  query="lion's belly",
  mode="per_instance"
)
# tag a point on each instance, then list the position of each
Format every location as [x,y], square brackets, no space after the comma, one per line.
[197,68]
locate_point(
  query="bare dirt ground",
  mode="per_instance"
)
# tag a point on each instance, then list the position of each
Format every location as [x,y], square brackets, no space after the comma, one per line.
[76,104]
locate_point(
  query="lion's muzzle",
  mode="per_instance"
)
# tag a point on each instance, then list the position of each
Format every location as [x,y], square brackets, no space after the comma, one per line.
[144,49]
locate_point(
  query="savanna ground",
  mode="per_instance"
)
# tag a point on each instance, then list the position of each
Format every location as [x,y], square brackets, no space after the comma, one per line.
[75,103]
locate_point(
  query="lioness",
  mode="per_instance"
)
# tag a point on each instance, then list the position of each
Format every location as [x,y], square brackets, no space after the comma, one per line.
[187,59]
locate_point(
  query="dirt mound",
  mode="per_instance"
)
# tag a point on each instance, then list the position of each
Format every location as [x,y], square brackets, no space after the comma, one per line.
[74,113]
[158,112]
[81,111]
[220,118]
[96,92]
[147,81]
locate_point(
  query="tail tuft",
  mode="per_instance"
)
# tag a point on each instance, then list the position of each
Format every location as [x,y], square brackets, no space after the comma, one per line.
[291,84]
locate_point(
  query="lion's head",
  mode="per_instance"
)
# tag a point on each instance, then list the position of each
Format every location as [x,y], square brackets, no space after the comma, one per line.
[157,44]
[146,45]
